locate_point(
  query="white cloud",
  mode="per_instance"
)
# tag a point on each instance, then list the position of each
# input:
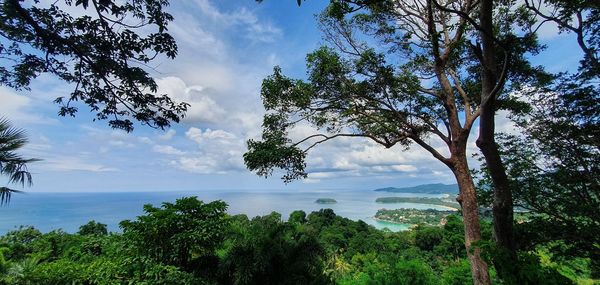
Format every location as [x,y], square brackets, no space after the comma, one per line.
[64,163]
[445,174]
[310,180]
[221,88]
[119,139]
[202,109]
[216,136]
[321,175]
[223,56]
[18,109]
[187,30]
[168,135]
[167,149]
[38,144]
[146,140]
[352,157]
[199,165]
[218,152]
[120,143]
[255,30]
[394,168]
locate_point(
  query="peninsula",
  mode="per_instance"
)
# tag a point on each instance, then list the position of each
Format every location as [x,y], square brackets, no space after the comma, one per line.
[420,200]
[437,188]
[429,217]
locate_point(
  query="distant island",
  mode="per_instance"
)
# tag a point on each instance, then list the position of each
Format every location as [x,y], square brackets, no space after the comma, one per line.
[429,217]
[437,188]
[325,201]
[419,200]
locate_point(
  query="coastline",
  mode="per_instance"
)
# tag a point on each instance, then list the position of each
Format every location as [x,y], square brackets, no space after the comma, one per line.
[433,208]
[448,208]
[388,221]
[413,217]
[393,222]
[433,203]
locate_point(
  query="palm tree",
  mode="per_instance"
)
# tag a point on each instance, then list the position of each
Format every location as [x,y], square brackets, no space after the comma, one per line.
[12,164]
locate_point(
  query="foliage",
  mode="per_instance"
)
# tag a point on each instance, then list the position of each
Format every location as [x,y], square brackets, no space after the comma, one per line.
[413,216]
[298,217]
[428,238]
[202,245]
[554,169]
[367,82]
[552,159]
[93,228]
[398,73]
[102,54]
[580,18]
[270,251]
[12,164]
[182,234]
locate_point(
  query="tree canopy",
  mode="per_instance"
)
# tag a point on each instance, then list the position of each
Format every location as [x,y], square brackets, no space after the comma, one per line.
[401,73]
[322,248]
[103,50]
[551,160]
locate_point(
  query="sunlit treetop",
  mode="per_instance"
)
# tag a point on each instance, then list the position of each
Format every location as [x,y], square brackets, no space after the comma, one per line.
[389,74]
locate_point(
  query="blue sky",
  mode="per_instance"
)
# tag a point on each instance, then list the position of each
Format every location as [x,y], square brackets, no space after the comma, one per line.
[226,48]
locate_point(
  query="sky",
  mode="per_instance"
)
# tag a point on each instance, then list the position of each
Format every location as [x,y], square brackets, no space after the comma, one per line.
[226,48]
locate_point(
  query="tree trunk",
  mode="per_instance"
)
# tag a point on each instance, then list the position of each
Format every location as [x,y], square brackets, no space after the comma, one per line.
[502,207]
[470,212]
[503,202]
[490,86]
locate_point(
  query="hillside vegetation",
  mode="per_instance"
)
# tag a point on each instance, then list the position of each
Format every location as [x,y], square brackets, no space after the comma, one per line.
[192,242]
[428,217]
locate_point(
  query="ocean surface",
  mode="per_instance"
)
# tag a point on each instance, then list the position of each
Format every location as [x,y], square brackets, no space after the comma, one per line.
[68,211]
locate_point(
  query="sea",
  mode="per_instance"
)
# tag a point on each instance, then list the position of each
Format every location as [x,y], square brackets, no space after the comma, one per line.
[68,211]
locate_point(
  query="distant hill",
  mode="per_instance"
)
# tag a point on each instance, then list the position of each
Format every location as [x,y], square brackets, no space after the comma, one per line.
[437,188]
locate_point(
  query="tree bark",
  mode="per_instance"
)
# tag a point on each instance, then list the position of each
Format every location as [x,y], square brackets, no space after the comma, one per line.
[491,84]
[470,211]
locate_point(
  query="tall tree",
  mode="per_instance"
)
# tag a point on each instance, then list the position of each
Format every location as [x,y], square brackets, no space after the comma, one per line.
[12,165]
[495,50]
[498,48]
[492,80]
[552,165]
[382,93]
[103,54]
[554,170]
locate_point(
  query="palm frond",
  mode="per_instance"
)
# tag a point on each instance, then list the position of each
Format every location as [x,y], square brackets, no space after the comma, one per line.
[12,164]
[11,138]
[17,171]
[5,195]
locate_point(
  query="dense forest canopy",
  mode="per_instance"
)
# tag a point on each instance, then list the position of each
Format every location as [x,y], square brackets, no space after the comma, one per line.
[191,242]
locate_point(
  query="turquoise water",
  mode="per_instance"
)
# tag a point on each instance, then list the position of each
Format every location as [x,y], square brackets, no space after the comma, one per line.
[67,211]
